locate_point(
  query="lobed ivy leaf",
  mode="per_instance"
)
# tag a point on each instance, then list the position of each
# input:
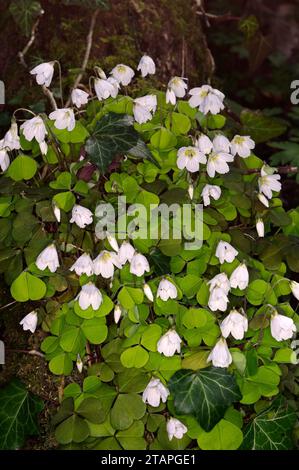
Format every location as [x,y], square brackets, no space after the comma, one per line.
[205,394]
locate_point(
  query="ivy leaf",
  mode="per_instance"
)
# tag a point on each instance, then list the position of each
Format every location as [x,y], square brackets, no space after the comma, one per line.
[160,262]
[18,415]
[271,429]
[261,128]
[114,134]
[24,12]
[205,394]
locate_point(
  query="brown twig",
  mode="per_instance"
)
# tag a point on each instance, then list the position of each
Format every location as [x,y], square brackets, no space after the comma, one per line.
[87,52]
[31,352]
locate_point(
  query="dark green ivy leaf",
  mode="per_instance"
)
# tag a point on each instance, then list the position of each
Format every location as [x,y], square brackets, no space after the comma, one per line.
[261,128]
[205,394]
[18,415]
[271,429]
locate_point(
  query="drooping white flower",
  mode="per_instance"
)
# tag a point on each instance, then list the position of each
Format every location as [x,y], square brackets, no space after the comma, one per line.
[139,265]
[105,87]
[44,73]
[220,156]
[79,364]
[207,99]
[79,97]
[218,300]
[204,144]
[11,138]
[239,277]
[105,263]
[89,296]
[64,118]
[260,228]
[295,289]
[190,158]
[56,211]
[4,157]
[242,145]
[123,74]
[210,191]
[169,343]
[235,324]
[225,252]
[29,322]
[268,182]
[43,147]
[83,265]
[191,191]
[282,327]
[263,199]
[48,258]
[34,128]
[154,392]
[175,428]
[167,290]
[117,313]
[144,108]
[148,292]
[220,355]
[220,281]
[126,252]
[81,216]
[176,88]
[112,242]
[146,66]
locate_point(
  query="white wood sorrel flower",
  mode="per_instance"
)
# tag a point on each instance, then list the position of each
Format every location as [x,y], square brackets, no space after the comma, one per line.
[4,157]
[169,343]
[268,182]
[48,258]
[155,392]
[235,324]
[282,327]
[105,87]
[242,145]
[295,289]
[64,118]
[117,313]
[220,355]
[43,73]
[83,265]
[123,74]
[139,265]
[176,88]
[167,290]
[207,99]
[11,138]
[190,158]
[29,322]
[89,296]
[126,252]
[260,228]
[219,157]
[219,288]
[34,128]
[79,97]
[225,252]
[81,216]
[239,277]
[210,191]
[146,66]
[148,292]
[105,262]
[144,108]
[175,428]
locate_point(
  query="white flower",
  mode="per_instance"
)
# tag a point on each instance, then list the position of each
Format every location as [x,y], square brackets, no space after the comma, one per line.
[190,158]
[34,128]
[167,290]
[225,252]
[204,144]
[139,265]
[260,228]
[207,99]
[44,73]
[48,258]
[155,392]
[239,277]
[191,191]
[79,363]
[210,191]
[81,216]
[175,428]
[282,327]
[123,74]
[11,138]
[217,162]
[242,145]
[106,87]
[220,355]
[176,88]
[83,265]
[169,344]
[218,300]
[117,313]
[112,242]
[220,281]
[148,292]
[263,199]
[79,97]
[4,157]
[295,289]
[105,262]
[268,182]
[146,66]
[89,296]
[56,211]
[144,108]
[221,144]
[30,321]
[64,118]
[43,147]
[235,324]
[126,252]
